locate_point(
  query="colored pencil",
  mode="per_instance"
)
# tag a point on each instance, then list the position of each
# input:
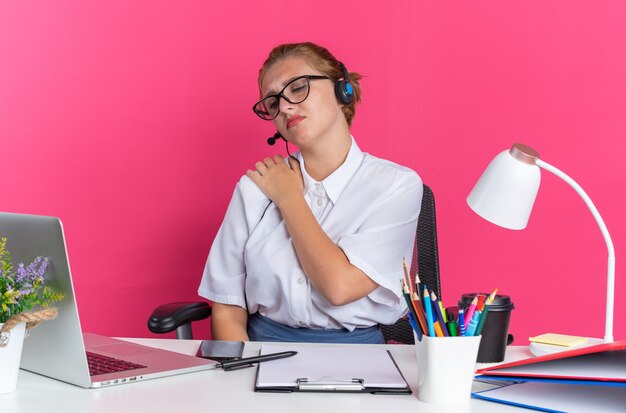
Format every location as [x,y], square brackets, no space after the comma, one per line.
[443,311]
[429,313]
[470,312]
[483,317]
[419,310]
[436,306]
[418,283]
[438,330]
[481,301]
[416,328]
[405,267]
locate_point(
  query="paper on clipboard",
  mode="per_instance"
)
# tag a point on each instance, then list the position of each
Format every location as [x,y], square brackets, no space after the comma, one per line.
[336,368]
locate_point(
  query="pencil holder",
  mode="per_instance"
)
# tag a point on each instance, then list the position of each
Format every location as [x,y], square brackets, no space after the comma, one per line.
[445,368]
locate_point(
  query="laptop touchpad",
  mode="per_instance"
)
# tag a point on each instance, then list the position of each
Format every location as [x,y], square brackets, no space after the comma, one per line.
[124,349]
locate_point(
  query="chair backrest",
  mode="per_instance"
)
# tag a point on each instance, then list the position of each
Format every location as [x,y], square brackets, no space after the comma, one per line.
[425,262]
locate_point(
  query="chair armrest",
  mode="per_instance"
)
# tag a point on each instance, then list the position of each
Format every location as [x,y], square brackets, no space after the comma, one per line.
[168,317]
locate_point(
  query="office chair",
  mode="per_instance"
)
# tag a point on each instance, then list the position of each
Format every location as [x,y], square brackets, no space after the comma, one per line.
[178,316]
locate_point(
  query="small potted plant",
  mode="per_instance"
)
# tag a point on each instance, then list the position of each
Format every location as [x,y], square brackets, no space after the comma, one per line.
[24,303]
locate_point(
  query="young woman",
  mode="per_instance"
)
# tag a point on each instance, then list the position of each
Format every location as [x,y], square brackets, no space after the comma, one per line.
[311,247]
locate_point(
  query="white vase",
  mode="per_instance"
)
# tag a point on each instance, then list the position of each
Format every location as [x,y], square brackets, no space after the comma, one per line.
[10,354]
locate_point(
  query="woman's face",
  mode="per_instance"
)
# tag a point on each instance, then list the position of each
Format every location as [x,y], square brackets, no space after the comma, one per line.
[304,122]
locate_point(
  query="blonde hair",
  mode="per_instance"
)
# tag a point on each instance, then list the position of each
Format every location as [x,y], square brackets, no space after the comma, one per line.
[323,61]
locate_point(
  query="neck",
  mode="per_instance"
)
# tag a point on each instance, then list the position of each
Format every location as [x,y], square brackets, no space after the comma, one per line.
[323,158]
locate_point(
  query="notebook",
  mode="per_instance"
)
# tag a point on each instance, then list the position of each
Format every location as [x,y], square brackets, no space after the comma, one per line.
[58,348]
[331,369]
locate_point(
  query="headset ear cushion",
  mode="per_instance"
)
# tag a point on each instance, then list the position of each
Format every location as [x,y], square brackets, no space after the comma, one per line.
[344,92]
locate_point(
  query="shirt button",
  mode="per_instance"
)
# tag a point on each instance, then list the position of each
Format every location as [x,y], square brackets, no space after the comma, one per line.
[302,323]
[318,186]
[319,202]
[300,280]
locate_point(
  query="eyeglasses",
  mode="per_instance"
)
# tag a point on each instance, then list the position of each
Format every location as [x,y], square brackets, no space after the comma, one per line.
[294,92]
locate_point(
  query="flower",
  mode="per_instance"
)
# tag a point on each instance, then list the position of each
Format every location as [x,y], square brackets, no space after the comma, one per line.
[22,289]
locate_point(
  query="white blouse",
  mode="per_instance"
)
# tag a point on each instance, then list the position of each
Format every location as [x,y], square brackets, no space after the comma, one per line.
[368,207]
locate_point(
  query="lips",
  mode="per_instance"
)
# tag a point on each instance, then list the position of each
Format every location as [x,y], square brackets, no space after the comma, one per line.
[294,120]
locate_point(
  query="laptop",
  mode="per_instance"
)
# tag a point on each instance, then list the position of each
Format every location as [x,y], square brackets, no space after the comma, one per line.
[58,348]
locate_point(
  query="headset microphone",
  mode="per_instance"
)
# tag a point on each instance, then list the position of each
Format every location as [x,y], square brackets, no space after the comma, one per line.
[272,140]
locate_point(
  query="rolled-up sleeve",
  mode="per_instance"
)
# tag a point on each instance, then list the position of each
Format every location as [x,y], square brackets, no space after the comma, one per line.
[225,272]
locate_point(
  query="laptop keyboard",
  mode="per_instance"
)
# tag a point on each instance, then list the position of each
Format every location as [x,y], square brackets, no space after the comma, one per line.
[99,364]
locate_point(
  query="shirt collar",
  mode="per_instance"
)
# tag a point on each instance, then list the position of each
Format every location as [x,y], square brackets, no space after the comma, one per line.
[336,182]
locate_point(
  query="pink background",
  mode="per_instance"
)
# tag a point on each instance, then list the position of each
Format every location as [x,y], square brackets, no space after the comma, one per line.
[133,122]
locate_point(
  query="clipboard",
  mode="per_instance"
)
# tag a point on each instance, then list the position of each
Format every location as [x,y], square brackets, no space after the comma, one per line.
[331,369]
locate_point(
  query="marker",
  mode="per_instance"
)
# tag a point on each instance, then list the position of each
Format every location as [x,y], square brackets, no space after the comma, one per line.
[429,313]
[471,328]
[452,328]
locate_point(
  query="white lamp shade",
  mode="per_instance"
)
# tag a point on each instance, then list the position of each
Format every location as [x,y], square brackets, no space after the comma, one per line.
[506,192]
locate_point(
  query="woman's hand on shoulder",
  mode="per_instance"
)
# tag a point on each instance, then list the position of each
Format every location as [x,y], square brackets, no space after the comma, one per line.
[278,181]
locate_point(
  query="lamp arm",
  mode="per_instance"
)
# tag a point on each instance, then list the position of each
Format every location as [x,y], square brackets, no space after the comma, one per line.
[610,280]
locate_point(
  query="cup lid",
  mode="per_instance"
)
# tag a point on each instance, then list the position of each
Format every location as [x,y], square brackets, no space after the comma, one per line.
[500,302]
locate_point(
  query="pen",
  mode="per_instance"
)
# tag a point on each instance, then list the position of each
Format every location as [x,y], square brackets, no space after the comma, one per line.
[248,361]
[462,327]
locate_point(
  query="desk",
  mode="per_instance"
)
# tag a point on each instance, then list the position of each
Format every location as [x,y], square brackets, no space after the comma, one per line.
[220,391]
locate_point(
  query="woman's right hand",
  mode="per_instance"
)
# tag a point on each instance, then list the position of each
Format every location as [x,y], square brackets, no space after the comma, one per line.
[278,181]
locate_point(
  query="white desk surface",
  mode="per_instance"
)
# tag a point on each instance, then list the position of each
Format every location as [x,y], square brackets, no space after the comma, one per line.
[220,391]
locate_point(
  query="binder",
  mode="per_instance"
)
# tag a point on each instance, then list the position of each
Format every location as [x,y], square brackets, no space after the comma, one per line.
[570,397]
[580,380]
[603,363]
[335,369]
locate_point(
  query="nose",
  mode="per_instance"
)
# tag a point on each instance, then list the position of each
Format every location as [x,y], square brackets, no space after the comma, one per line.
[284,105]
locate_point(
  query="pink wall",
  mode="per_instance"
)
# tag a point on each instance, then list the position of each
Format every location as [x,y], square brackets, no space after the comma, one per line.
[132,123]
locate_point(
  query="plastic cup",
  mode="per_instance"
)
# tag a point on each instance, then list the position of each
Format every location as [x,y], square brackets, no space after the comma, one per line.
[445,369]
[495,332]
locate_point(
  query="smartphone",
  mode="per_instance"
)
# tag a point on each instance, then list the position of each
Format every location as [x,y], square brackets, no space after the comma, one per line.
[221,350]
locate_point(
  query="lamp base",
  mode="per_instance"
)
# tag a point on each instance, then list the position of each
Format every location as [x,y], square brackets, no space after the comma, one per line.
[541,349]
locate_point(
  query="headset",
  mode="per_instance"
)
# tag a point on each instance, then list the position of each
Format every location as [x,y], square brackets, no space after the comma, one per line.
[343,88]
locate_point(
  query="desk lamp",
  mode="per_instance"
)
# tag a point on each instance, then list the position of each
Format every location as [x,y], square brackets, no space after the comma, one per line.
[505,194]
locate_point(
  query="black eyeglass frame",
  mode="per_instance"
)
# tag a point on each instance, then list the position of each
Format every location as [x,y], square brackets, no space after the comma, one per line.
[261,113]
